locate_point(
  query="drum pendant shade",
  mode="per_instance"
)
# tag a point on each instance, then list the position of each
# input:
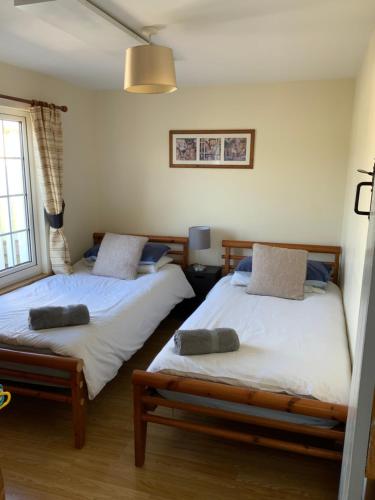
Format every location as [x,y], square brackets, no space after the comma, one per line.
[149,69]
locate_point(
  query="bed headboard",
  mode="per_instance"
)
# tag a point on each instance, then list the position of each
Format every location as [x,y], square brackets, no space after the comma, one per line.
[231,256]
[179,250]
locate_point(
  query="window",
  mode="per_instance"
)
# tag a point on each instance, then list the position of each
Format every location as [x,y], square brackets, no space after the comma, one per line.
[18,249]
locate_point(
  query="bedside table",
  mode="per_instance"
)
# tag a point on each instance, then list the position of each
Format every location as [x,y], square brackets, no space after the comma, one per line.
[203,281]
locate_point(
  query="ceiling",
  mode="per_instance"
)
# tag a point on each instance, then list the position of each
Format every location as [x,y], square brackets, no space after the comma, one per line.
[215,41]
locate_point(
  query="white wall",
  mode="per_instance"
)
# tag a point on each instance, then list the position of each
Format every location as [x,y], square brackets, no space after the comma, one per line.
[294,194]
[362,155]
[80,183]
[116,160]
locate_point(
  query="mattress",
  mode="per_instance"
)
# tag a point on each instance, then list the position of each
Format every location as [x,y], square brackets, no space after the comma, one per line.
[298,347]
[123,315]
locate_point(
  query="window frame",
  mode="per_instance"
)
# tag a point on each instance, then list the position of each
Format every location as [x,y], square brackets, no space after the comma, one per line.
[35,266]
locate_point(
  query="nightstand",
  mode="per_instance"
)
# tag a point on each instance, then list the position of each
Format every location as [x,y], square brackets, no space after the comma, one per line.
[201,282]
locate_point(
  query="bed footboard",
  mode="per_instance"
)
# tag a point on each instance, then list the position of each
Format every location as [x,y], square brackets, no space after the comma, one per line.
[146,400]
[25,373]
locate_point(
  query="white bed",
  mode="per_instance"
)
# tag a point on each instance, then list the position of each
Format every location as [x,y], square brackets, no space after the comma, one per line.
[288,384]
[294,347]
[123,315]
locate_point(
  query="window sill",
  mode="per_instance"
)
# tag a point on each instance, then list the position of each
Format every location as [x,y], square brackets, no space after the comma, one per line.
[22,283]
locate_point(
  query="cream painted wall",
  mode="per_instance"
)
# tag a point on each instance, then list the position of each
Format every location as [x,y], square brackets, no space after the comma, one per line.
[362,155]
[116,160]
[294,194]
[80,183]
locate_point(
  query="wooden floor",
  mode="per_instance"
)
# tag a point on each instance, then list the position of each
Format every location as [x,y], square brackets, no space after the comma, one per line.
[39,462]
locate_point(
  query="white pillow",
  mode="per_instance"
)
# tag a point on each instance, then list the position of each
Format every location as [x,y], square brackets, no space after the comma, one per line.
[313,289]
[119,255]
[154,268]
[142,268]
[88,262]
[242,278]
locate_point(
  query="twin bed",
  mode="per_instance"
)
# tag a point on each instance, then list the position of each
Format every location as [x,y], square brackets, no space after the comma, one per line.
[287,386]
[66,364]
[288,383]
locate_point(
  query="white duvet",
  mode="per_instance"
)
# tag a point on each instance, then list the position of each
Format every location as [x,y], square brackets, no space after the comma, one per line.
[294,346]
[123,315]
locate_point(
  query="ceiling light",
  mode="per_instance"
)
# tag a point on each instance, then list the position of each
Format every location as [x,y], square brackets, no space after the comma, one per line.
[149,69]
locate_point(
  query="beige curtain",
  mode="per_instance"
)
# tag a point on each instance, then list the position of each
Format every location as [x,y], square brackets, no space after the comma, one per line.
[49,146]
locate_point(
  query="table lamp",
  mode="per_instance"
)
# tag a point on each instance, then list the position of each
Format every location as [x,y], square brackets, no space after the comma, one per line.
[199,239]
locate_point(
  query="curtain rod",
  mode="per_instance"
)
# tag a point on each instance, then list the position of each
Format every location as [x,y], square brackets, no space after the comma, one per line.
[32,102]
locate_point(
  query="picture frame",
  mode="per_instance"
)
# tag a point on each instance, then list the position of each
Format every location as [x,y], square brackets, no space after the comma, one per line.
[212,148]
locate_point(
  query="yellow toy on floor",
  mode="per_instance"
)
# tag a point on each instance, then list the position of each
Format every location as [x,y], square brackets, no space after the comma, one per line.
[5,398]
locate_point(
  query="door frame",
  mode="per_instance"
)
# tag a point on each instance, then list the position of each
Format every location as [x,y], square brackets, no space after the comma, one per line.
[352,482]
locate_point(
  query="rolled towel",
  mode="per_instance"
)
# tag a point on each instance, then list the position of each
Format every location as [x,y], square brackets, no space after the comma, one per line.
[56,317]
[201,341]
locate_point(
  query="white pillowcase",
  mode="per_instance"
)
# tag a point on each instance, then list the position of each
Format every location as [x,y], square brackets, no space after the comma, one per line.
[154,268]
[242,278]
[313,289]
[142,268]
[88,262]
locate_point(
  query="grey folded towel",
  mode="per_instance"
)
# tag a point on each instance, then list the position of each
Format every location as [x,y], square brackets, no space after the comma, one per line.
[55,317]
[201,341]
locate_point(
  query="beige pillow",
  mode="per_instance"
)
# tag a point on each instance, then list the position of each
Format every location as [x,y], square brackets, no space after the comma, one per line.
[119,256]
[278,272]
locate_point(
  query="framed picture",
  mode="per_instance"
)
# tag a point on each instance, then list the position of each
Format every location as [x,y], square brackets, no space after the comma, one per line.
[211,148]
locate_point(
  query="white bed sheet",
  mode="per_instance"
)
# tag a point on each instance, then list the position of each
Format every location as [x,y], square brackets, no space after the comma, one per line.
[123,315]
[292,346]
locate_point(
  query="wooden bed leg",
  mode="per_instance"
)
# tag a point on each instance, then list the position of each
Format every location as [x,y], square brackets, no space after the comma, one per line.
[79,408]
[140,426]
[2,490]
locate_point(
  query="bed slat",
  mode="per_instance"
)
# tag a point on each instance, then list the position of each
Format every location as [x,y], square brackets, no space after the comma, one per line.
[337,435]
[243,437]
[243,395]
[145,402]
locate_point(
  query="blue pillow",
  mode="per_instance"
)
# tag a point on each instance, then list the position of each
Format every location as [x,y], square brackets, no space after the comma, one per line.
[92,252]
[316,270]
[245,265]
[152,252]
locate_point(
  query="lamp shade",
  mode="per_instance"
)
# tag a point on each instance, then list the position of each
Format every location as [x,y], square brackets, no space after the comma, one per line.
[199,237]
[149,69]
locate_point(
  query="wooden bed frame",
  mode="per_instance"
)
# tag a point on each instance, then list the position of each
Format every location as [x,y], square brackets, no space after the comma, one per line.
[67,384]
[299,438]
